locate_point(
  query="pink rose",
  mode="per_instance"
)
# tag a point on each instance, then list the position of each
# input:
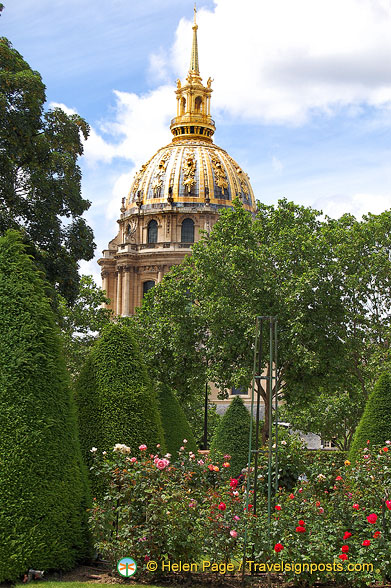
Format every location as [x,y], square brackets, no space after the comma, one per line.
[142,447]
[388,504]
[233,534]
[236,518]
[162,463]
[133,459]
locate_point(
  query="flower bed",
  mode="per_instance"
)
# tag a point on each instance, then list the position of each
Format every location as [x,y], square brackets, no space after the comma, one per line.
[188,509]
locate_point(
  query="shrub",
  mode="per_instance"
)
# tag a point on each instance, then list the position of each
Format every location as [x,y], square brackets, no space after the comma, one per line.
[375,423]
[175,425]
[115,397]
[43,488]
[232,436]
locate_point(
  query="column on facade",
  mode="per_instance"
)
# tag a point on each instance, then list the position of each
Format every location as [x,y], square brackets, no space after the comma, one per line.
[119,291]
[126,292]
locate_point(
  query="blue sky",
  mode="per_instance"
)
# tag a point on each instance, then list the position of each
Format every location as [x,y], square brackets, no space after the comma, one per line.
[302,91]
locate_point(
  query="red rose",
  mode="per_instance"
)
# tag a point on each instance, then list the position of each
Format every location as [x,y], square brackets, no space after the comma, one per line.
[277,507]
[234,483]
[366,542]
[346,535]
[300,529]
[376,534]
[356,506]
[317,503]
[222,506]
[385,449]
[343,556]
[291,496]
[278,547]
[345,548]
[388,504]
[301,523]
[372,518]
[147,558]
[338,478]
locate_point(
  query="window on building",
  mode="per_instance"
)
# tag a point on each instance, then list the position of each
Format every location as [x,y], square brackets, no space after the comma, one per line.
[147,286]
[237,391]
[152,231]
[187,231]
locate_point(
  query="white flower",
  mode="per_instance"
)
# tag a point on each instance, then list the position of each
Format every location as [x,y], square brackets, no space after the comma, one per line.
[104,452]
[168,455]
[321,477]
[388,442]
[121,448]
[93,450]
[184,440]
[274,446]
[283,442]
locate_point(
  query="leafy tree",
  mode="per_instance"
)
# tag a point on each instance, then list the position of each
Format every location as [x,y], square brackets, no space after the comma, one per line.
[175,425]
[43,522]
[115,396]
[82,321]
[232,436]
[39,175]
[375,423]
[331,416]
[332,303]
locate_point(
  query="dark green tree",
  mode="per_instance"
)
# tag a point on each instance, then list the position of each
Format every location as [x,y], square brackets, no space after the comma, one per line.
[375,423]
[232,436]
[39,174]
[175,425]
[43,484]
[115,396]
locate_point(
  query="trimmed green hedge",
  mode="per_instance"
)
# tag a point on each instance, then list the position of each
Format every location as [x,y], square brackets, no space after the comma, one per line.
[232,435]
[115,397]
[175,425]
[43,484]
[375,423]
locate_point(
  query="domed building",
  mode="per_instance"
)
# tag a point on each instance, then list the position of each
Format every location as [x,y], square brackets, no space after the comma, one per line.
[175,195]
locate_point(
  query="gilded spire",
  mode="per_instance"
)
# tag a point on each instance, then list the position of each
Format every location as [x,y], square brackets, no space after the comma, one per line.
[193,101]
[194,66]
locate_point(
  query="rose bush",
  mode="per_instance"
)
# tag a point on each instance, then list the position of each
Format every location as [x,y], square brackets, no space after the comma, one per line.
[188,508]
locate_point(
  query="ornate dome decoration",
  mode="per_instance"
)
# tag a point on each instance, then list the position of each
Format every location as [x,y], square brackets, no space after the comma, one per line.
[191,169]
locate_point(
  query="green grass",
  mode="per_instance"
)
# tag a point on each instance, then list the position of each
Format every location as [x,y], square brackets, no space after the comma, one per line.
[45,584]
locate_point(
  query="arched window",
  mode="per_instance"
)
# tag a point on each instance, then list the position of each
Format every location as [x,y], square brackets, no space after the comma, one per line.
[187,231]
[183,105]
[152,231]
[198,104]
[147,286]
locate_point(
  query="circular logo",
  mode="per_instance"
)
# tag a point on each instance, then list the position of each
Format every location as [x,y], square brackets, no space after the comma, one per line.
[126,567]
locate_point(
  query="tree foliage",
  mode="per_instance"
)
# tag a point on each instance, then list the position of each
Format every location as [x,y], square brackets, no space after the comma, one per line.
[175,425]
[39,175]
[232,436]
[43,521]
[332,303]
[375,423]
[115,396]
[82,321]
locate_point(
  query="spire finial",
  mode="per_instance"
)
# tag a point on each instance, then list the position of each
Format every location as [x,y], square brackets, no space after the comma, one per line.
[194,67]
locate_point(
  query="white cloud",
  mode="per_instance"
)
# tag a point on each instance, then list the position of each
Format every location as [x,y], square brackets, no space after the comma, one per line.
[357,204]
[279,61]
[63,107]
[277,164]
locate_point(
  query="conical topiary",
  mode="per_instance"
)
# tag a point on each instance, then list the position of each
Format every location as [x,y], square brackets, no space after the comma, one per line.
[175,425]
[43,485]
[232,436]
[115,396]
[375,423]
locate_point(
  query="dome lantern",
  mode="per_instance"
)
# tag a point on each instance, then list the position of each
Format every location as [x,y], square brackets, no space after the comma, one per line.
[193,117]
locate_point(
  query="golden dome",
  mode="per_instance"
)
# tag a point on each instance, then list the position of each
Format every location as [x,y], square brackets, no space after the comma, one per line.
[191,170]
